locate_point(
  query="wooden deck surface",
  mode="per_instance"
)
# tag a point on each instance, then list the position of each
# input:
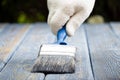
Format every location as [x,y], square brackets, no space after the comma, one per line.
[97,57]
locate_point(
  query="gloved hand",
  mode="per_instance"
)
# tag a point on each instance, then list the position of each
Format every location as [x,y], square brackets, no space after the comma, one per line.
[70,12]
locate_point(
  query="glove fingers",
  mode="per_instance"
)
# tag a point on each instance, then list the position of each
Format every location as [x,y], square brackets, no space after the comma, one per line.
[58,20]
[75,22]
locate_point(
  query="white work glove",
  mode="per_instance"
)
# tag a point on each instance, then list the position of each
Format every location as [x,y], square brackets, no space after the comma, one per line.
[70,12]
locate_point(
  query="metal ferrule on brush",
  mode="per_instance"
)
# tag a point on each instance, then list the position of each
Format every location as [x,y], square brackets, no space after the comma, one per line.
[61,48]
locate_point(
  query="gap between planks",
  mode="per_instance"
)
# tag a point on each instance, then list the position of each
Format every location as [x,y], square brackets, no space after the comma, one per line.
[10,40]
[19,67]
[104,51]
[82,67]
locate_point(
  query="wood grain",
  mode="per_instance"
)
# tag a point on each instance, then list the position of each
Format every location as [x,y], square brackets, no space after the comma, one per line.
[82,64]
[116,28]
[2,27]
[10,38]
[103,62]
[105,52]
[20,65]
[36,76]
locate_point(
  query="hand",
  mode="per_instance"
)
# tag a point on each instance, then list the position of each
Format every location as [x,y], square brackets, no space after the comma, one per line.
[70,12]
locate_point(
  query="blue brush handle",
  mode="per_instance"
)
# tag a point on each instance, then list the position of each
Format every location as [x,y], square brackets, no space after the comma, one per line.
[61,36]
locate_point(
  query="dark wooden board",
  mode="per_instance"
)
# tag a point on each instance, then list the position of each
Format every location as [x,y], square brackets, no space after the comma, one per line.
[19,67]
[83,68]
[104,48]
[10,38]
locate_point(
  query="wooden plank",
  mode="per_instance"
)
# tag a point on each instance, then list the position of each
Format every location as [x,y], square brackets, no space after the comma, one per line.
[105,52]
[36,76]
[82,67]
[116,28]
[2,27]
[19,67]
[10,38]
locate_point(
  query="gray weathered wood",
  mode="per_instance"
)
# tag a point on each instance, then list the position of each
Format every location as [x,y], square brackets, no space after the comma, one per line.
[19,67]
[10,38]
[2,27]
[104,46]
[116,28]
[83,69]
[105,52]
[36,76]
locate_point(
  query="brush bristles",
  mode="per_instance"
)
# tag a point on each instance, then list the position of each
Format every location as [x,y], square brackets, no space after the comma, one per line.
[54,64]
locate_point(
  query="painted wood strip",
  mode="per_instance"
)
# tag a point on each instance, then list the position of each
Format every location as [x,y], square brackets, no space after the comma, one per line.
[36,76]
[2,26]
[105,52]
[10,38]
[82,63]
[116,28]
[19,67]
